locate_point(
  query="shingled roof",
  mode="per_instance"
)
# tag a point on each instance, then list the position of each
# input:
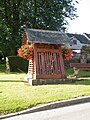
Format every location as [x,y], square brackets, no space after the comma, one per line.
[88,35]
[46,36]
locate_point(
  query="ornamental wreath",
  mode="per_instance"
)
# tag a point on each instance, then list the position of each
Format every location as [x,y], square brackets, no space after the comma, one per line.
[26,51]
[66,53]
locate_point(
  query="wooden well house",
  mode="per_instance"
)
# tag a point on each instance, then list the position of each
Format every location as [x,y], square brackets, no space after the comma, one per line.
[47,64]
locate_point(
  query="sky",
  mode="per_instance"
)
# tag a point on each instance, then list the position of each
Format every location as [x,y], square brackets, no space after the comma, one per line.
[82,23]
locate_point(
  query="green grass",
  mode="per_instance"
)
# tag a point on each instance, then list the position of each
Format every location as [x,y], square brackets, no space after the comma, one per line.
[15,95]
[82,73]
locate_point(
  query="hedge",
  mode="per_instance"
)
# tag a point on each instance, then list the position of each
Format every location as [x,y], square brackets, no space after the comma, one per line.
[16,63]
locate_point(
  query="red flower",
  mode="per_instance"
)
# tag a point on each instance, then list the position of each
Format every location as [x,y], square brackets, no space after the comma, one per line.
[26,51]
[66,53]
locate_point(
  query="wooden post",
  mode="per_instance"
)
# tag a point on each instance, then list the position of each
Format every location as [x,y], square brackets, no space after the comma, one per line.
[61,61]
[30,69]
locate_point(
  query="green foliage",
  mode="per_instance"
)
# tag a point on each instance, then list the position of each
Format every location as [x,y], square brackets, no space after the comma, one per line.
[85,49]
[42,14]
[17,63]
[10,27]
[2,68]
[50,14]
[85,54]
[72,60]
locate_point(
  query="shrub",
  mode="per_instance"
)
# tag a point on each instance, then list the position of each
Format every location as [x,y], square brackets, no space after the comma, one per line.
[16,63]
[72,60]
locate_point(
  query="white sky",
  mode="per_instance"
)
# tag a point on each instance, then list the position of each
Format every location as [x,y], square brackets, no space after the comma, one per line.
[82,23]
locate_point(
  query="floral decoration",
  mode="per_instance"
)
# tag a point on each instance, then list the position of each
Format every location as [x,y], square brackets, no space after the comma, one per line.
[66,53]
[26,51]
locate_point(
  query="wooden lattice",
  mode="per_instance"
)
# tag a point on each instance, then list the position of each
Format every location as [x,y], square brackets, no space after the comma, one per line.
[47,62]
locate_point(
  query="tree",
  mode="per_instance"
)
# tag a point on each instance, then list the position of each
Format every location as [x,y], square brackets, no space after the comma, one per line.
[50,14]
[12,19]
[39,14]
[85,54]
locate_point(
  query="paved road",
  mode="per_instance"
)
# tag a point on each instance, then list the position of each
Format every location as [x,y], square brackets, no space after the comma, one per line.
[75,112]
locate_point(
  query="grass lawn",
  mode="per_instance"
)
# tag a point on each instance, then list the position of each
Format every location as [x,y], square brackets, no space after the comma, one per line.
[15,95]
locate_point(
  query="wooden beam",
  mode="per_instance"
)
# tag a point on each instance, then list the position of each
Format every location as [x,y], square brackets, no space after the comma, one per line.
[50,76]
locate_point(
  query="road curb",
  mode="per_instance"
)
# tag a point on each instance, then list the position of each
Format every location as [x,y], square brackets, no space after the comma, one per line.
[49,106]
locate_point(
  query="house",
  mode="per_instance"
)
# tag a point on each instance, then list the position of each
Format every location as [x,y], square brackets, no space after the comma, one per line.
[87,35]
[77,41]
[47,62]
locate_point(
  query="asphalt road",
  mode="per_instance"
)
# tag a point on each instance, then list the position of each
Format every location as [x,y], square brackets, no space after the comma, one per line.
[74,112]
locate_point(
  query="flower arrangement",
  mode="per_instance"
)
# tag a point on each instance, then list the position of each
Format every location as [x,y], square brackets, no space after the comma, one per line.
[26,51]
[66,53]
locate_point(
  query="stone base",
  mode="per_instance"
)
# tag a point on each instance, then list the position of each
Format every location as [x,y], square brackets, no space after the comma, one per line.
[50,81]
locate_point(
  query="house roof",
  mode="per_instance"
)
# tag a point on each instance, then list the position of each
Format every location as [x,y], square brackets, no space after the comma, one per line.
[46,36]
[79,37]
[88,35]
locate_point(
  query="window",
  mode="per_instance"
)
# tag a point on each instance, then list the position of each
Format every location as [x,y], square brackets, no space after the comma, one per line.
[75,41]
